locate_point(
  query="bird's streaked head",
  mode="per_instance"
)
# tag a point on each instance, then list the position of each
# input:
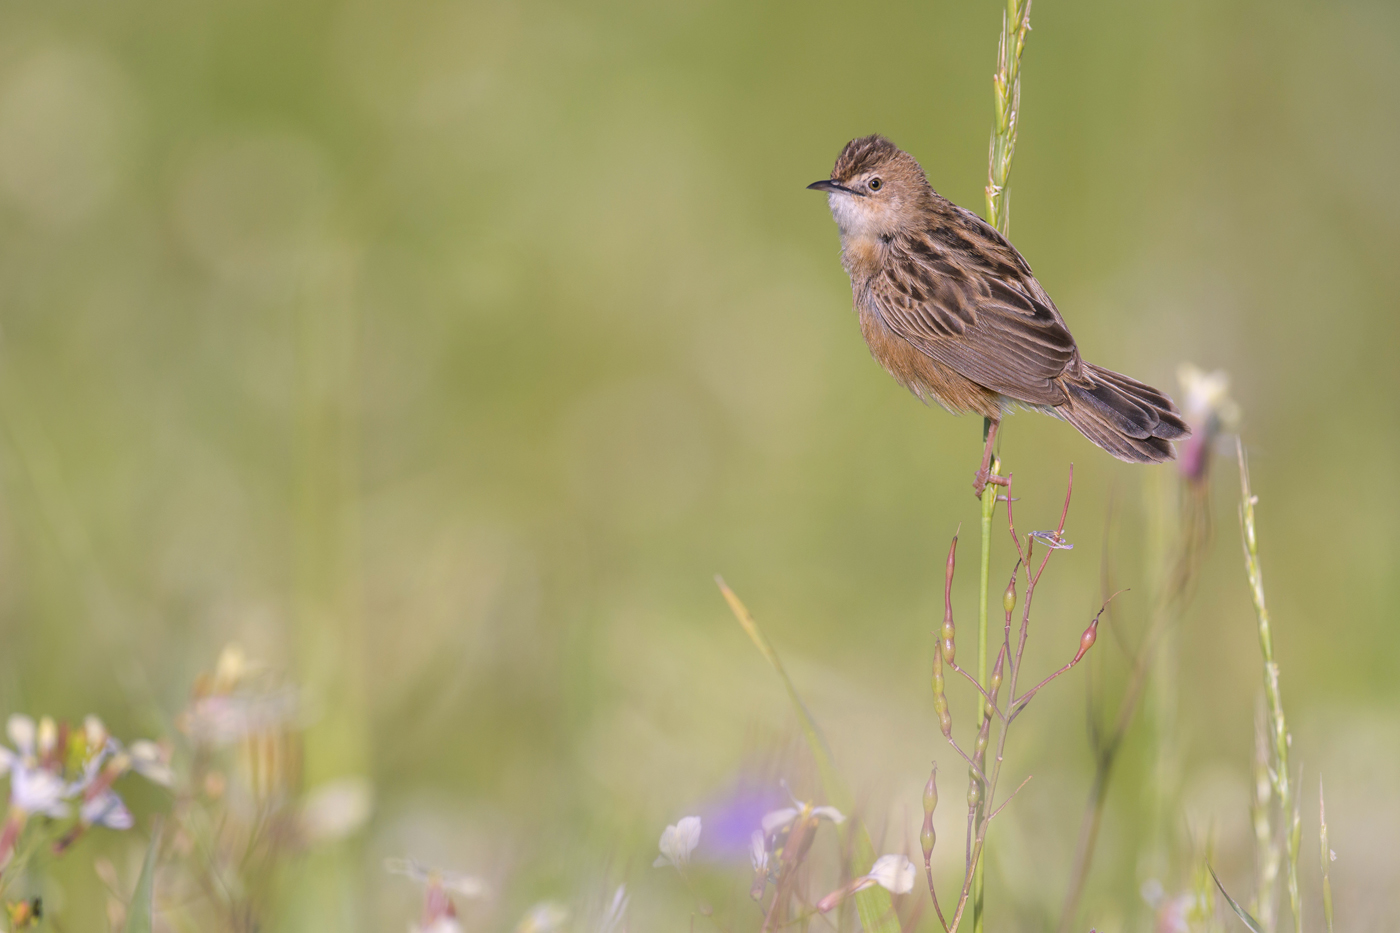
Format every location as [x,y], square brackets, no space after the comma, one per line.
[875,189]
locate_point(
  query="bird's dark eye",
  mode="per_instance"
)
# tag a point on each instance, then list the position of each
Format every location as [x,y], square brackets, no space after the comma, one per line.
[874,184]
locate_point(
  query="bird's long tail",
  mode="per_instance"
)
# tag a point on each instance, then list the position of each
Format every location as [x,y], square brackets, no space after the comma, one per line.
[1130,420]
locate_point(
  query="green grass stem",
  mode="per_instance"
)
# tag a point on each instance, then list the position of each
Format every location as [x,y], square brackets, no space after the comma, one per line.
[989,503]
[1279,773]
[1006,84]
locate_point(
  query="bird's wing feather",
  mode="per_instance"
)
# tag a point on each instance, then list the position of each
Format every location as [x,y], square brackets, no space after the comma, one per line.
[969,301]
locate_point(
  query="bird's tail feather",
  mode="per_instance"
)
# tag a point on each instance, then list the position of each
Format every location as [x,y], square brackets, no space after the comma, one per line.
[1127,418]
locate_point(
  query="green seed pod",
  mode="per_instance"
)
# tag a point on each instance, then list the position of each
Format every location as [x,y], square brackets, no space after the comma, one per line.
[1008,599]
[927,838]
[931,793]
[945,718]
[950,647]
[974,790]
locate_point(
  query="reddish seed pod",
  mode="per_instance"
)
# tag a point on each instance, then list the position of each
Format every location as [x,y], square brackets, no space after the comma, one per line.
[1086,641]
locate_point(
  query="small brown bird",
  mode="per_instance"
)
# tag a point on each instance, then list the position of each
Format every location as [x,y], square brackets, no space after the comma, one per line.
[952,311]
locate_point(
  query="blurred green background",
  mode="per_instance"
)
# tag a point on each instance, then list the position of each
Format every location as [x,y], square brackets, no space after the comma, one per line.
[441,353]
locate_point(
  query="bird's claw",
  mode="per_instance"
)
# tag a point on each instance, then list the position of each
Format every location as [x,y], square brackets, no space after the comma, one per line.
[985,478]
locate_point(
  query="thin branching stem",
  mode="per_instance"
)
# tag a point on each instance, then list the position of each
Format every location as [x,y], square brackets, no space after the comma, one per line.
[997,811]
[987,697]
[928,872]
[977,841]
[1021,702]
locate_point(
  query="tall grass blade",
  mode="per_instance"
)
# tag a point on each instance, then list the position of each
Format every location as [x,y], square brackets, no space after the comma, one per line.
[1234,905]
[140,914]
[873,905]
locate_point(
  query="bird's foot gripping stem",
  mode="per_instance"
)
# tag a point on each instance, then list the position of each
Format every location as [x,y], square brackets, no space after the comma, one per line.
[985,474]
[984,478]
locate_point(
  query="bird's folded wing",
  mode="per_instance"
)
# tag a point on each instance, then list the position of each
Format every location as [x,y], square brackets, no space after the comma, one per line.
[993,332]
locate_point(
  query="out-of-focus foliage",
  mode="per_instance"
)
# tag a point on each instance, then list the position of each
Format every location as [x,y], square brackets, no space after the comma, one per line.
[440,353]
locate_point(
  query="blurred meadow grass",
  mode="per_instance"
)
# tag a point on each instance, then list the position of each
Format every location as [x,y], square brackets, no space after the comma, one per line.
[439,354]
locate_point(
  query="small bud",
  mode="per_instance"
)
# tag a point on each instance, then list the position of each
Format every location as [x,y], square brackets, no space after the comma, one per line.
[1008,599]
[931,792]
[48,736]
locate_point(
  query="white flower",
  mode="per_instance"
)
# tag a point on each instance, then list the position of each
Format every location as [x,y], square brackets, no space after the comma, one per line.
[465,885]
[1207,395]
[616,913]
[33,788]
[777,819]
[151,762]
[758,851]
[544,917]
[1208,410]
[439,916]
[337,808]
[894,873]
[677,842]
[106,809]
[20,729]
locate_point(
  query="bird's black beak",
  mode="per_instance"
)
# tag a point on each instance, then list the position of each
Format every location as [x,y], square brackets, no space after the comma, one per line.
[827,184]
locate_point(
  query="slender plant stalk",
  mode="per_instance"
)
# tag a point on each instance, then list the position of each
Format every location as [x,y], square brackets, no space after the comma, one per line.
[1266,854]
[1326,857]
[977,784]
[1279,775]
[1006,84]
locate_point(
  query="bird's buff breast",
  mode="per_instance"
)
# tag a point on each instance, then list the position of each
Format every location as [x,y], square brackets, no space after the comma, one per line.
[917,371]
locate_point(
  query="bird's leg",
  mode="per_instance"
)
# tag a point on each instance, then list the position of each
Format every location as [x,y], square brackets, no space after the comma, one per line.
[985,474]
